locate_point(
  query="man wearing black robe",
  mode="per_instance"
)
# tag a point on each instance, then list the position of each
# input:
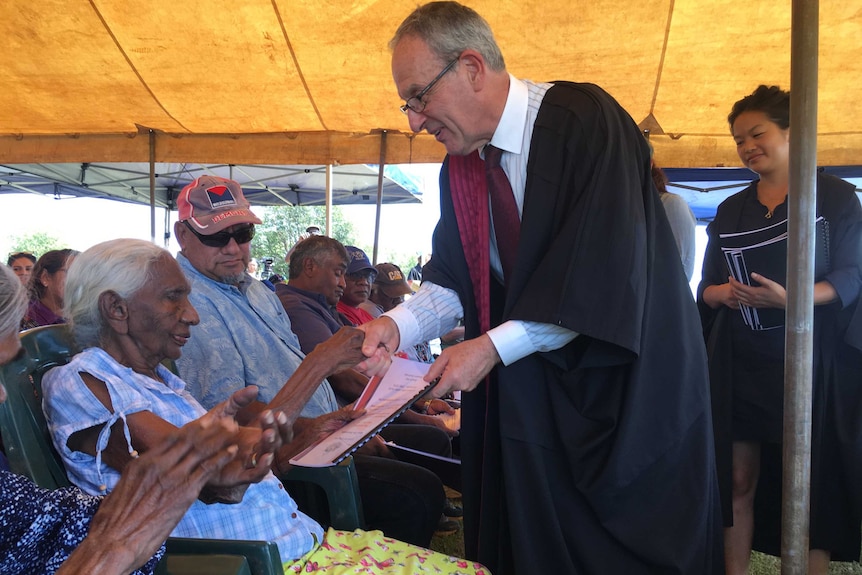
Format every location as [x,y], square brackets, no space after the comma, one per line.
[592,453]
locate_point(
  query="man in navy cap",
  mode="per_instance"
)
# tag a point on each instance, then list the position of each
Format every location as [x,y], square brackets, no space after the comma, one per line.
[358,279]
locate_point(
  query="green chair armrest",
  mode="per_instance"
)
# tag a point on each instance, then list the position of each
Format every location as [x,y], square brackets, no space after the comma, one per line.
[174,564]
[342,505]
[262,556]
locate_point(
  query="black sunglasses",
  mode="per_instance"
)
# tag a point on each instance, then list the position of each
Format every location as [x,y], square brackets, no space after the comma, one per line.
[221,239]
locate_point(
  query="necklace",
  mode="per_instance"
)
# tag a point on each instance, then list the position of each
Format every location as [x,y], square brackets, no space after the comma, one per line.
[769,213]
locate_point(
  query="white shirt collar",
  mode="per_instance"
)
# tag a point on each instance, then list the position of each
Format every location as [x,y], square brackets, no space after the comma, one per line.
[509,135]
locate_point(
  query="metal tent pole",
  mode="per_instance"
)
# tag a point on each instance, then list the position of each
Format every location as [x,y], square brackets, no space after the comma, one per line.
[152,186]
[799,339]
[329,231]
[379,195]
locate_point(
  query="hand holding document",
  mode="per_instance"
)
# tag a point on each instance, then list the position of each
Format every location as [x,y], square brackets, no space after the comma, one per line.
[764,251]
[384,399]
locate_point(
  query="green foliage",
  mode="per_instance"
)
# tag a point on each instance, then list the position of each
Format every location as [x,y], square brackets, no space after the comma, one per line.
[36,243]
[283,225]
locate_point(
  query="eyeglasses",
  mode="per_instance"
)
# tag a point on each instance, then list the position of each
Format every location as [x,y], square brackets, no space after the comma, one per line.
[359,276]
[242,235]
[416,103]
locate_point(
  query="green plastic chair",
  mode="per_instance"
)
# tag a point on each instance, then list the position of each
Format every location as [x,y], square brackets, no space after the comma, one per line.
[31,453]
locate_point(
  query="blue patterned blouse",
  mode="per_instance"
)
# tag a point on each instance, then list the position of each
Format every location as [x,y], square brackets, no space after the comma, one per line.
[40,528]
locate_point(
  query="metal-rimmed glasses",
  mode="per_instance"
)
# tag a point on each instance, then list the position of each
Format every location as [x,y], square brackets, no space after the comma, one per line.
[416,103]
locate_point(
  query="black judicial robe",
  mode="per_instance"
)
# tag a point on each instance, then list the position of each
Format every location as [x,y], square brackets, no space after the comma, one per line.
[836,468]
[598,457]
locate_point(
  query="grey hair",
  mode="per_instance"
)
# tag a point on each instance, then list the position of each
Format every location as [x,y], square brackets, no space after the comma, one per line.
[315,248]
[121,266]
[449,28]
[13,302]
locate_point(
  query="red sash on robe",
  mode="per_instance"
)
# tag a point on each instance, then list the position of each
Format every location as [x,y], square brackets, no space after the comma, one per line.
[469,189]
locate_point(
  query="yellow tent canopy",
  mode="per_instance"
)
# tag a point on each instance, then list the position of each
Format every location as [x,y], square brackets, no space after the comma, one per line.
[308,81]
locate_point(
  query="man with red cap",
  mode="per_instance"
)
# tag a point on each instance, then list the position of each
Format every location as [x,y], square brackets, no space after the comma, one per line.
[244,338]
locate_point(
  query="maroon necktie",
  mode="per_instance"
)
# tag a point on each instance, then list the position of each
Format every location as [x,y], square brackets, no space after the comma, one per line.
[507,223]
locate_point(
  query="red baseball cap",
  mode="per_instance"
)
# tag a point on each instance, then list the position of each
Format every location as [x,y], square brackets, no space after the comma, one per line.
[212,204]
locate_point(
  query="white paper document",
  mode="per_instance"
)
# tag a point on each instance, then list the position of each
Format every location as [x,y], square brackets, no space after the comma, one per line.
[385,399]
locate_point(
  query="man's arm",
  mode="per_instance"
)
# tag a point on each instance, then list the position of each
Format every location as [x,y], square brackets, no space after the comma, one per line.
[436,308]
[348,384]
[463,366]
[310,328]
[433,311]
[340,352]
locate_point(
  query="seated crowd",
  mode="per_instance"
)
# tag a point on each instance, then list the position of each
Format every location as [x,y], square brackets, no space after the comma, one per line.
[134,433]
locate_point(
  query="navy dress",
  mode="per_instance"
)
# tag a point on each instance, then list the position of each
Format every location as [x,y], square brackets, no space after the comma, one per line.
[40,528]
[747,378]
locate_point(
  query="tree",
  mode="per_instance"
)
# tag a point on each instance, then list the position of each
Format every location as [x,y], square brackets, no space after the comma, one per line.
[36,243]
[281,227]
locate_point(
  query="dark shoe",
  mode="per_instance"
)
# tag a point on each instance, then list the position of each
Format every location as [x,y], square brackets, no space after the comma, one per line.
[446,526]
[452,510]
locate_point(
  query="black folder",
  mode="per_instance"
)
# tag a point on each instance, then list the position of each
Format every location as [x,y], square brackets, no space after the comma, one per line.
[764,251]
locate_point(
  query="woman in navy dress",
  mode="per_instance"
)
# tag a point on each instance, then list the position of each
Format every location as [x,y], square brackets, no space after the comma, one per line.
[747,366]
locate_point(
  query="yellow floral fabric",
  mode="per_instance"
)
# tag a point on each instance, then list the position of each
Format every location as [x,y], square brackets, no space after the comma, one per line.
[370,552]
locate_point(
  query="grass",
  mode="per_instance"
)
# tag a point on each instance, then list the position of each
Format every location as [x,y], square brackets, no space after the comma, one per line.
[450,543]
[768,565]
[453,544]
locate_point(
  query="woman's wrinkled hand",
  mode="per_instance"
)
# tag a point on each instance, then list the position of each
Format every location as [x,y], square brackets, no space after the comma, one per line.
[256,448]
[309,431]
[153,493]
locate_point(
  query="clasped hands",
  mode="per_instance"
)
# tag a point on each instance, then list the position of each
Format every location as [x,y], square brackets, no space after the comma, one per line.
[769,294]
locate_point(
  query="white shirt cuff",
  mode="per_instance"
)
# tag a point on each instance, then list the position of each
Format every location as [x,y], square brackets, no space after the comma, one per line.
[408,326]
[510,339]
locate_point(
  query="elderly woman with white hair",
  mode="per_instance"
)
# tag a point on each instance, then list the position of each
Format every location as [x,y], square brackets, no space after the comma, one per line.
[127,302]
[66,531]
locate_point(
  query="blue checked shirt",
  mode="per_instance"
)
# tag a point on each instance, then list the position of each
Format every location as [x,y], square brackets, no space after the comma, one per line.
[266,512]
[244,338]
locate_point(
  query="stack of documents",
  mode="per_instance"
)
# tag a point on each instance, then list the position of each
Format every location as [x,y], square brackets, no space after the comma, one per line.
[764,251]
[383,400]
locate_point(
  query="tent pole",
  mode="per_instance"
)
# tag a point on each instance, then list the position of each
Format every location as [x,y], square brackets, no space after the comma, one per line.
[329,200]
[152,186]
[382,165]
[799,338]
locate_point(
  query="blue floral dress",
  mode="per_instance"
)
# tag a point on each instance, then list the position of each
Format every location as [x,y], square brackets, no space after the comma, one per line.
[40,528]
